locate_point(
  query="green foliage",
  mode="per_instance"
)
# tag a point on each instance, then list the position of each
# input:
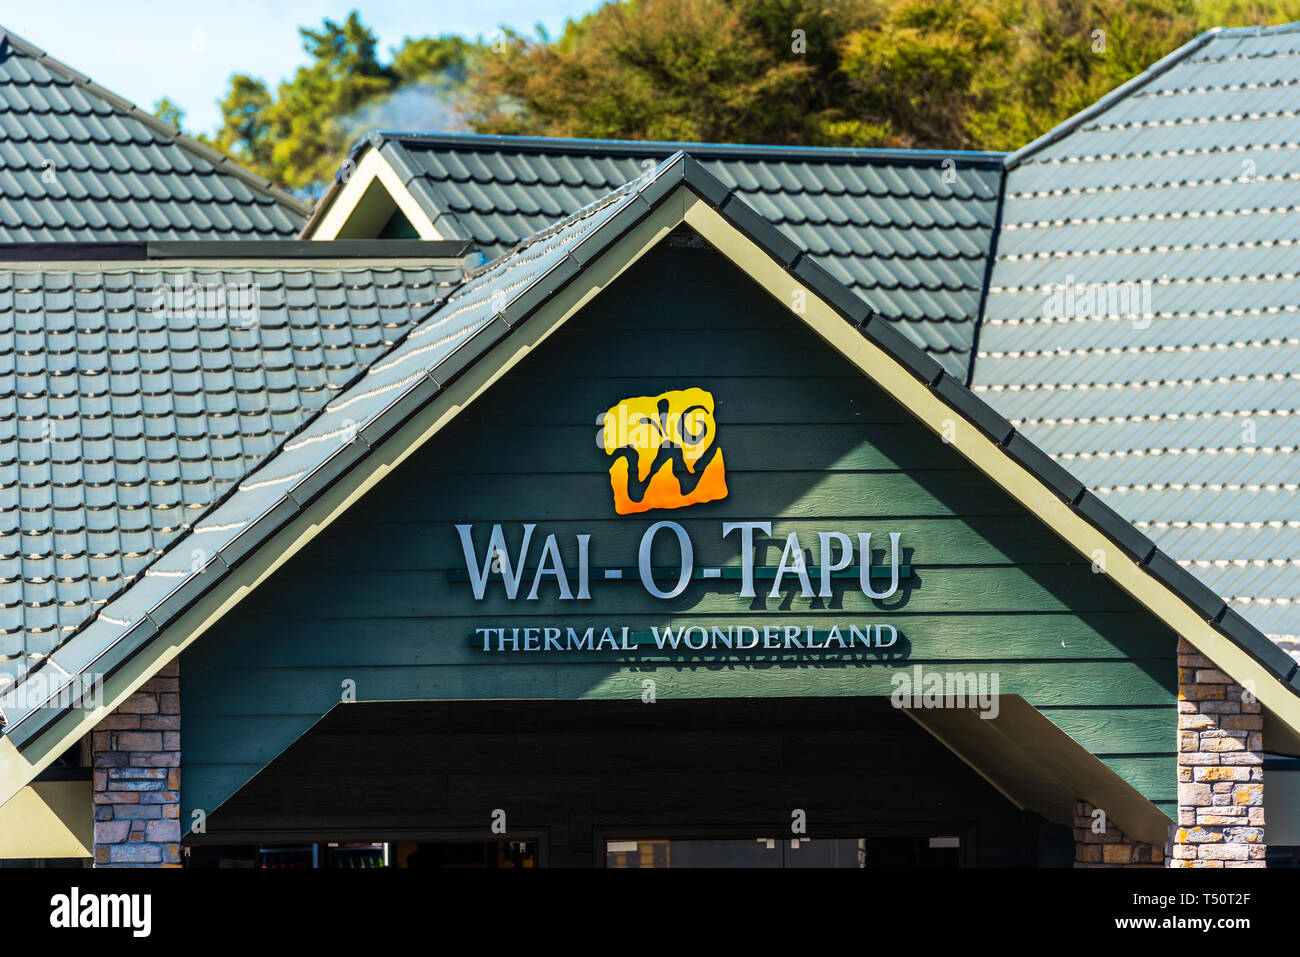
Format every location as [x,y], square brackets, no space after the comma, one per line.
[299,136]
[445,60]
[169,112]
[943,74]
[245,133]
[304,123]
[665,69]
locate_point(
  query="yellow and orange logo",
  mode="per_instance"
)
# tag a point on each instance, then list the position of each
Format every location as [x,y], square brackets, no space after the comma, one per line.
[665,451]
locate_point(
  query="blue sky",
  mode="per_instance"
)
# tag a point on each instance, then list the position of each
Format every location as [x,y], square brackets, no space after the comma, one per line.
[187,51]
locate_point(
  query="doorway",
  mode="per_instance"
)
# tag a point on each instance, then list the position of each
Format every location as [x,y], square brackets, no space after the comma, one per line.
[869,786]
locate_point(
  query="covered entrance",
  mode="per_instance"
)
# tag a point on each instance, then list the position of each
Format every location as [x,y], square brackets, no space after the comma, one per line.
[783,782]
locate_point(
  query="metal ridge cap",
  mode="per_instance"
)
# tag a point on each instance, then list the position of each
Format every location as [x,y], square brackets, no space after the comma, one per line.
[209,266]
[1259,30]
[398,157]
[546,144]
[986,283]
[308,248]
[1068,126]
[425,191]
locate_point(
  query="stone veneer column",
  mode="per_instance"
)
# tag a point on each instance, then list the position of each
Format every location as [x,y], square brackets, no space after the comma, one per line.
[1110,848]
[136,758]
[1220,768]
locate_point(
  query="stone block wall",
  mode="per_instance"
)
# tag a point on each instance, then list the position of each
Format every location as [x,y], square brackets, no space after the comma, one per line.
[1220,781]
[1220,768]
[1110,847]
[136,756]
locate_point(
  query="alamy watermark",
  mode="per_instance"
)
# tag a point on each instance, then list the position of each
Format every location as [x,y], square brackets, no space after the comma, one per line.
[1100,300]
[212,300]
[919,688]
[46,689]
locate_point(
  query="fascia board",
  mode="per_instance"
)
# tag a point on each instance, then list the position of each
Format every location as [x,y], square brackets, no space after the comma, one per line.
[373,166]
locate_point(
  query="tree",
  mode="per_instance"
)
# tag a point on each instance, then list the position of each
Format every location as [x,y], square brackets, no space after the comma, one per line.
[299,136]
[306,122]
[169,112]
[943,74]
[649,69]
[244,132]
[921,70]
[446,60]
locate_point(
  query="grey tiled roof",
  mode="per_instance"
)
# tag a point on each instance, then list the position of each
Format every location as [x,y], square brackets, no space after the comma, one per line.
[121,423]
[78,163]
[908,231]
[476,315]
[346,423]
[1182,192]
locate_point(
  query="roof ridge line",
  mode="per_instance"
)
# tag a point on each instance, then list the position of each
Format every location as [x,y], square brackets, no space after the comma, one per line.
[1068,126]
[54,252]
[1261,30]
[395,148]
[399,159]
[158,125]
[546,144]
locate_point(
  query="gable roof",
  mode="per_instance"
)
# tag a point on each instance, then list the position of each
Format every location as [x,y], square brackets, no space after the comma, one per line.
[486,326]
[1181,409]
[79,163]
[908,230]
[131,401]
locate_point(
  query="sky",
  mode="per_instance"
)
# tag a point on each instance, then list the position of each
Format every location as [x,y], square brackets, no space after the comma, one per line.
[187,50]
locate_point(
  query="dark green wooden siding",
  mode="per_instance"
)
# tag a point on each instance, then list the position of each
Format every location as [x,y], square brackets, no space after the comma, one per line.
[808,441]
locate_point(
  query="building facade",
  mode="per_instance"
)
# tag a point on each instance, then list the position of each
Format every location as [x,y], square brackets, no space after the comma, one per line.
[682,526]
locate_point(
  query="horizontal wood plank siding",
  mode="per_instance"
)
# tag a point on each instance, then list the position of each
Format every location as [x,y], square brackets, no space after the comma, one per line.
[808,442]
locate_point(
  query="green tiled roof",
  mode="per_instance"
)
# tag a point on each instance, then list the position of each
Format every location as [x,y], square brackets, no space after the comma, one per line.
[487,306]
[133,436]
[1179,195]
[332,428]
[78,164]
[908,231]
[122,422]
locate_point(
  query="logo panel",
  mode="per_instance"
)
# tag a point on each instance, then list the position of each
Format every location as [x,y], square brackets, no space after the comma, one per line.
[665,451]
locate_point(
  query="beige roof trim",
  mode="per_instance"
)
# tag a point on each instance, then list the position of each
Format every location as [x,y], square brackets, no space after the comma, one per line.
[353,210]
[48,819]
[1036,765]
